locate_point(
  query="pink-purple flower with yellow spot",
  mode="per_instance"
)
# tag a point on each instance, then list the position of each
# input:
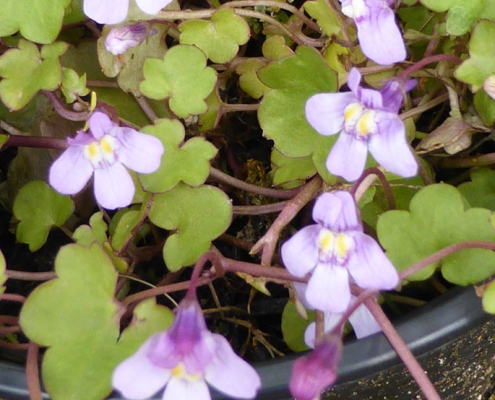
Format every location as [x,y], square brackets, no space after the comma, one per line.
[105,151]
[336,251]
[367,119]
[183,358]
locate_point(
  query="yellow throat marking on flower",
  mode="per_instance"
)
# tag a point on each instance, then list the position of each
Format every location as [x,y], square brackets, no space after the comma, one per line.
[365,124]
[106,146]
[98,151]
[352,111]
[337,244]
[92,151]
[179,371]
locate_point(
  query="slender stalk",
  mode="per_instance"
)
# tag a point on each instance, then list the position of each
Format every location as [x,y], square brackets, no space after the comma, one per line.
[32,372]
[30,276]
[259,210]
[147,109]
[36,141]
[424,107]
[12,297]
[428,60]
[366,180]
[403,351]
[62,111]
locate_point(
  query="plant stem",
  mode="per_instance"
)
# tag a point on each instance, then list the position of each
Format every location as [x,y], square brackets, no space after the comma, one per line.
[259,210]
[36,141]
[62,111]
[366,180]
[428,60]
[403,351]
[32,372]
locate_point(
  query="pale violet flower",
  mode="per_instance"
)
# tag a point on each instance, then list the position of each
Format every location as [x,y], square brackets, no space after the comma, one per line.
[316,371]
[105,151]
[367,119]
[121,39]
[362,321]
[183,358]
[335,250]
[378,33]
[115,11]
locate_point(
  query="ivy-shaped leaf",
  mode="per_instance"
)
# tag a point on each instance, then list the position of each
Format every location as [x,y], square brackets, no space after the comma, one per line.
[275,47]
[197,215]
[462,15]
[437,219]
[39,208]
[183,77]
[126,224]
[281,114]
[480,192]
[219,38]
[325,17]
[38,20]
[209,119]
[96,231]
[26,70]
[188,162]
[248,79]
[73,85]
[289,169]
[77,318]
[481,63]
[485,107]
[293,327]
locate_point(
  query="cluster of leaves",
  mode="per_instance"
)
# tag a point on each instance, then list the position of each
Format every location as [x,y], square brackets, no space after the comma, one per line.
[186,74]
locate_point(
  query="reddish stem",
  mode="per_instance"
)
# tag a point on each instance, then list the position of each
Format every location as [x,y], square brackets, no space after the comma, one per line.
[32,372]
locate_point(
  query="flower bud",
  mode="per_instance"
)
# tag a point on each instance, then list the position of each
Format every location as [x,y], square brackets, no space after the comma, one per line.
[489,86]
[313,373]
[120,39]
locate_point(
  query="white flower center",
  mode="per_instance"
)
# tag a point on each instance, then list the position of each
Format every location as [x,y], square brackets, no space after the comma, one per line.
[334,246]
[355,9]
[180,372]
[102,151]
[359,121]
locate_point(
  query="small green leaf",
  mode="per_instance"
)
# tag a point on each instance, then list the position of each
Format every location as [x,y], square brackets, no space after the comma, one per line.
[437,219]
[481,63]
[96,231]
[188,162]
[248,79]
[39,21]
[480,192]
[489,298]
[38,208]
[73,86]
[124,227]
[485,107]
[77,318]
[275,47]
[182,76]
[26,71]
[197,215]
[293,327]
[209,120]
[219,38]
[325,17]
[289,169]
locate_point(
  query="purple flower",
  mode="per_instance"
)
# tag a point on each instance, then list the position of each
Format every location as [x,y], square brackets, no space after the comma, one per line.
[104,151]
[313,373]
[115,11]
[120,39]
[335,249]
[367,118]
[378,33]
[183,357]
[362,321]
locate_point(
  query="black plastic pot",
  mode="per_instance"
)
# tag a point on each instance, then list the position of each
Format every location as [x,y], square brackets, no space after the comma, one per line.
[433,332]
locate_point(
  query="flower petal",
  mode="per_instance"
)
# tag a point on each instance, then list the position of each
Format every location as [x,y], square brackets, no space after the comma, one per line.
[300,252]
[114,187]
[106,11]
[354,79]
[369,266]
[183,389]
[389,146]
[152,6]
[379,35]
[230,374]
[325,111]
[71,171]
[347,157]
[100,124]
[136,377]
[139,152]
[363,322]
[328,288]
[337,211]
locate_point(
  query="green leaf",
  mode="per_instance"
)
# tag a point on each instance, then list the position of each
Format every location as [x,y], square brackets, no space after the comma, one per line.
[96,231]
[209,120]
[275,47]
[248,79]
[3,274]
[197,215]
[219,38]
[480,192]
[281,114]
[39,21]
[289,169]
[26,71]
[485,107]
[325,17]
[489,298]
[73,86]
[188,162]
[38,208]
[437,219]
[77,318]
[124,227]
[481,63]
[183,77]
[293,327]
